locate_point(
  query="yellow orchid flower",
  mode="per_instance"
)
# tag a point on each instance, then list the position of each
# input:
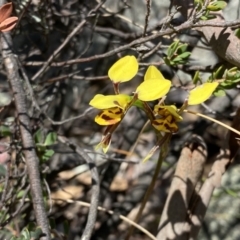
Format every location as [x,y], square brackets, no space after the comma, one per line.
[154,85]
[124,69]
[167,118]
[113,108]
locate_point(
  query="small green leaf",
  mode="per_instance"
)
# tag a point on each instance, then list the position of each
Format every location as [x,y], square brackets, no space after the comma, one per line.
[172,48]
[39,136]
[40,148]
[182,48]
[216,6]
[50,139]
[219,93]
[36,234]
[196,77]
[218,73]
[2,170]
[47,155]
[237,33]
[25,234]
[167,61]
[5,131]
[184,55]
[20,194]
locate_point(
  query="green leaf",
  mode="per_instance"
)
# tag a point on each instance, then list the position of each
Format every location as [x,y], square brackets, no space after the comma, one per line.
[36,234]
[184,55]
[218,73]
[47,155]
[231,192]
[216,6]
[182,48]
[39,136]
[40,148]
[2,170]
[5,131]
[50,139]
[172,48]
[20,194]
[219,93]
[196,77]
[207,16]
[25,234]
[167,61]
[237,33]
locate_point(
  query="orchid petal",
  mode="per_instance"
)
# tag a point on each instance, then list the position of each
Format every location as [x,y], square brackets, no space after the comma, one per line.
[153,73]
[124,69]
[201,93]
[153,89]
[104,102]
[109,116]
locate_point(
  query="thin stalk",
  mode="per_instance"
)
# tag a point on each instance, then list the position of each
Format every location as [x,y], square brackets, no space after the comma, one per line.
[213,120]
[163,152]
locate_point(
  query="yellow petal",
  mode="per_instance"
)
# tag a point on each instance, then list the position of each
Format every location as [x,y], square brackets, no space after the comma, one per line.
[104,102]
[109,117]
[201,93]
[153,89]
[153,73]
[124,69]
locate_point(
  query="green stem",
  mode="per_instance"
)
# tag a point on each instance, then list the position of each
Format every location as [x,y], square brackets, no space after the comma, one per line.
[148,111]
[116,88]
[162,155]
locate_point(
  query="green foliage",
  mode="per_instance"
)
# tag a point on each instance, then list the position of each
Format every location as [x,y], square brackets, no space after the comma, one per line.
[2,170]
[43,143]
[5,131]
[216,6]
[237,33]
[196,78]
[177,54]
[29,233]
[228,79]
[213,6]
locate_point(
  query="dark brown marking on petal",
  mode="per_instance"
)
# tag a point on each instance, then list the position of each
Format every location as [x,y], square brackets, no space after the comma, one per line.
[116,102]
[117,111]
[106,117]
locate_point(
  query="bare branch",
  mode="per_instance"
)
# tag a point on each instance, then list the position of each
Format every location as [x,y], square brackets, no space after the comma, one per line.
[95,187]
[169,31]
[29,151]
